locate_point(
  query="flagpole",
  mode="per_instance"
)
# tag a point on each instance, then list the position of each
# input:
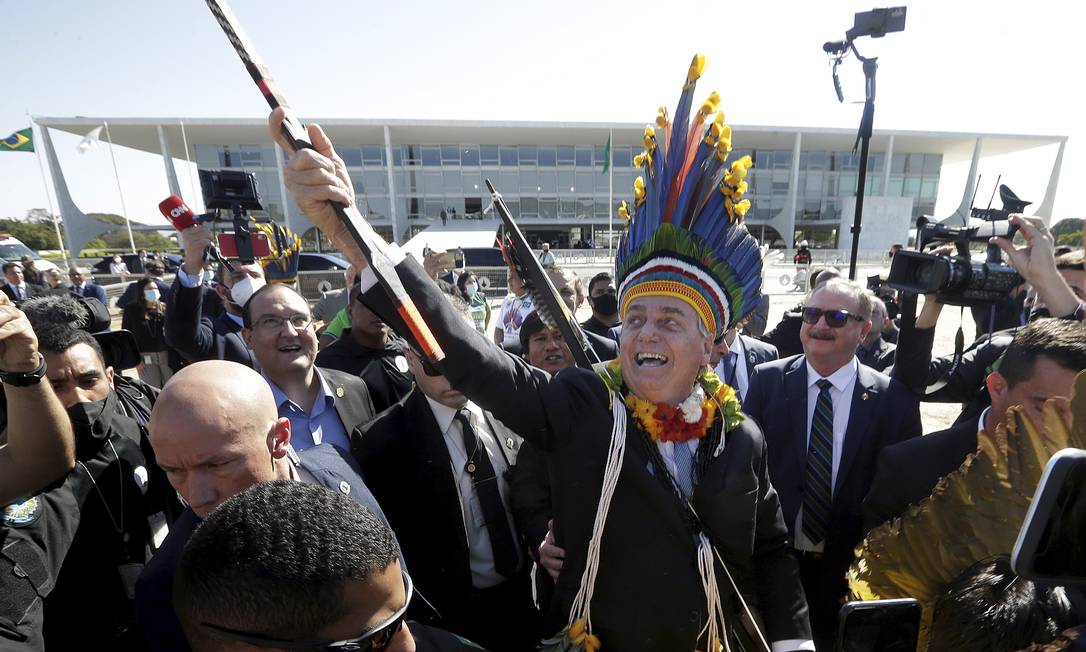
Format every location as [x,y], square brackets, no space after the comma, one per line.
[49,199]
[124,210]
[611,194]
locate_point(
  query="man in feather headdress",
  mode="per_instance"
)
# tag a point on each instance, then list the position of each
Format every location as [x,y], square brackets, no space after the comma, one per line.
[663,480]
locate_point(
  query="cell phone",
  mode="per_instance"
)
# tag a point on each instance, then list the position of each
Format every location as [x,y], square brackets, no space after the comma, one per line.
[228,244]
[1051,545]
[879,626]
[451,259]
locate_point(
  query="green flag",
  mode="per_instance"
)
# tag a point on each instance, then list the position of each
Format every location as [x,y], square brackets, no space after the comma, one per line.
[20,141]
[607,155]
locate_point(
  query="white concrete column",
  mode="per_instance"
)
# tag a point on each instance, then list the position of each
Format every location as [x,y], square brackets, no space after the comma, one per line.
[1044,211]
[792,205]
[961,216]
[280,163]
[393,213]
[887,162]
[167,159]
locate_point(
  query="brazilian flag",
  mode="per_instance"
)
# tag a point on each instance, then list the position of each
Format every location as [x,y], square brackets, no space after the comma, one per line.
[20,141]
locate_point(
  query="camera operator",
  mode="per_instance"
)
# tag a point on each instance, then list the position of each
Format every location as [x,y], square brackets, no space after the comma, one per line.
[199,337]
[37,445]
[939,380]
[73,552]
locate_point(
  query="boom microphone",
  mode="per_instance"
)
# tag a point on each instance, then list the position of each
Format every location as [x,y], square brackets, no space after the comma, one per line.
[834,47]
[175,210]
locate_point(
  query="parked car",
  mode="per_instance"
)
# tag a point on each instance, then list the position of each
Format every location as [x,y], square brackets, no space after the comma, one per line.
[12,250]
[320,262]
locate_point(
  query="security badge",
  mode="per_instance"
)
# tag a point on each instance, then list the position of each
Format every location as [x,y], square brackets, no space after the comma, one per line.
[401,364]
[21,514]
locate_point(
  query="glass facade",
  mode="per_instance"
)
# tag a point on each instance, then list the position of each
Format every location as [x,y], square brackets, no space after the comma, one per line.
[566,183]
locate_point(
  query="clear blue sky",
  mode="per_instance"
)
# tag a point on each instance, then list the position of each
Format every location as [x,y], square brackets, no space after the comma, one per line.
[997,66]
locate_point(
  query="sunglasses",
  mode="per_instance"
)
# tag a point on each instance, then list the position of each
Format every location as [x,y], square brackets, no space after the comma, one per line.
[375,639]
[834,318]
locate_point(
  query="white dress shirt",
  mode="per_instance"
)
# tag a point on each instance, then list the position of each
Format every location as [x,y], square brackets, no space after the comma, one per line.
[844,382]
[480,553]
[742,373]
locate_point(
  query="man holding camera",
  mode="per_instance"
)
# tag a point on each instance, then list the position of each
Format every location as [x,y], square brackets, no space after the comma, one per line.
[941,380]
[195,336]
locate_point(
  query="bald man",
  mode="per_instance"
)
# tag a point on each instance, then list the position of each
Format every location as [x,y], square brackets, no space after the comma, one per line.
[216,431]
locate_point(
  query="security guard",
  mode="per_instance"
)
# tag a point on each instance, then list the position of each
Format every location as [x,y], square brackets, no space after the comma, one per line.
[70,555]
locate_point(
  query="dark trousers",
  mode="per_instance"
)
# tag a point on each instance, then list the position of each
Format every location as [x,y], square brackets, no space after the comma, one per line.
[824,597]
[502,618]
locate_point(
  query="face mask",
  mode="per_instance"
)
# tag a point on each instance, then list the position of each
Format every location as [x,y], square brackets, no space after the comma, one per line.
[151,294]
[91,423]
[245,288]
[606,304]
[470,289]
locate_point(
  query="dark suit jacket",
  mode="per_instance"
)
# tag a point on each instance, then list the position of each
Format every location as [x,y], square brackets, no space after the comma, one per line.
[880,357]
[91,290]
[406,464]
[198,337]
[604,347]
[323,465]
[785,335]
[353,403]
[31,291]
[758,352]
[883,412]
[648,549]
[906,473]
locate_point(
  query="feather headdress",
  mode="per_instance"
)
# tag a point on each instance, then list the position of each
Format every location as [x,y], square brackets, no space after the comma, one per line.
[685,236]
[281,265]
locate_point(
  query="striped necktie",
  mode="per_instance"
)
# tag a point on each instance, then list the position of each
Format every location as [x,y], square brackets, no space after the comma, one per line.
[818,493]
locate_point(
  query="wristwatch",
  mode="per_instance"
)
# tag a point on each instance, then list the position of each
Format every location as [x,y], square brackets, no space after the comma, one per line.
[24,379]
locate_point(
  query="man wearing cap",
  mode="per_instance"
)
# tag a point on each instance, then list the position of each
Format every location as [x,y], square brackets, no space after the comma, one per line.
[662,469]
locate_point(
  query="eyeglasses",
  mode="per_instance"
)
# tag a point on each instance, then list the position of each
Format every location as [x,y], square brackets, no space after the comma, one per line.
[272,323]
[834,318]
[375,639]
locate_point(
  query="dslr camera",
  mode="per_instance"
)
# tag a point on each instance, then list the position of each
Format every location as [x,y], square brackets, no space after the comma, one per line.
[957,280]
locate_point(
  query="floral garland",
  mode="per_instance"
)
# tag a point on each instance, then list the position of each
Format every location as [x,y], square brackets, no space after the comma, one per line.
[690,419]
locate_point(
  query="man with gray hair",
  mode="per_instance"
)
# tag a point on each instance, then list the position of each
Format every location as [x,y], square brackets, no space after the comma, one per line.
[874,351]
[822,449]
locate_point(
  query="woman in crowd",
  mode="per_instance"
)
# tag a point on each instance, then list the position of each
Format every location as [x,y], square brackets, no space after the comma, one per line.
[467,284]
[145,318]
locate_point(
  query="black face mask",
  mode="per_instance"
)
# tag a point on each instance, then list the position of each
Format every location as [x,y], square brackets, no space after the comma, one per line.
[605,304]
[91,422]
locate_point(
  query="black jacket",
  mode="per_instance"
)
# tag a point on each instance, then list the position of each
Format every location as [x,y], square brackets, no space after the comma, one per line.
[785,335]
[322,465]
[383,370]
[198,337]
[570,416]
[353,404]
[31,291]
[879,357]
[906,473]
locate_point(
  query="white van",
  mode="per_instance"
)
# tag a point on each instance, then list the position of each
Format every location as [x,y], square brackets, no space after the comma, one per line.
[12,250]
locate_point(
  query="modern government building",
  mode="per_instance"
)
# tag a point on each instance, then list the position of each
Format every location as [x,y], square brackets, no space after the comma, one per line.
[411,174]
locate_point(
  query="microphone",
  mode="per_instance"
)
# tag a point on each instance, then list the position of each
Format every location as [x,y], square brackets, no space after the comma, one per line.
[175,210]
[834,47]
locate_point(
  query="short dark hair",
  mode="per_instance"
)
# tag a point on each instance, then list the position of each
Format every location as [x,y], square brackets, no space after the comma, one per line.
[1060,340]
[988,608]
[531,325]
[462,279]
[8,266]
[602,276]
[247,311]
[58,338]
[274,560]
[1072,259]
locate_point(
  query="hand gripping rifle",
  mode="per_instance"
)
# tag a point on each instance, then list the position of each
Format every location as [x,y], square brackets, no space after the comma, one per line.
[552,310]
[373,247]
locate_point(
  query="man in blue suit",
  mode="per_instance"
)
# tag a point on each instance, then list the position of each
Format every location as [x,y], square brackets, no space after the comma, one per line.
[825,418]
[84,288]
[234,440]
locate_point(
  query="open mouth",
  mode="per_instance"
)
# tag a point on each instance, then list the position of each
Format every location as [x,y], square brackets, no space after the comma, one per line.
[554,357]
[290,348]
[650,360]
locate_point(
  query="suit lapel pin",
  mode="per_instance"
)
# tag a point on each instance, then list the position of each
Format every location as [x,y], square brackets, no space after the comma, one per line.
[345,487]
[339,392]
[509,443]
[864,396]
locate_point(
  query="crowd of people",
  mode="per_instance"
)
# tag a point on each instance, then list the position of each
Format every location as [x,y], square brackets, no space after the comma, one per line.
[288,476]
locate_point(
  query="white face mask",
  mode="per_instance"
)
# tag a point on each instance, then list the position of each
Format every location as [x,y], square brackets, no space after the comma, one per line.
[151,294]
[243,289]
[471,288]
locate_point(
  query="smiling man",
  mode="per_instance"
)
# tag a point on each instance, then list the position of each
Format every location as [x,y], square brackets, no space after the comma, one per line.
[323,405]
[822,448]
[644,447]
